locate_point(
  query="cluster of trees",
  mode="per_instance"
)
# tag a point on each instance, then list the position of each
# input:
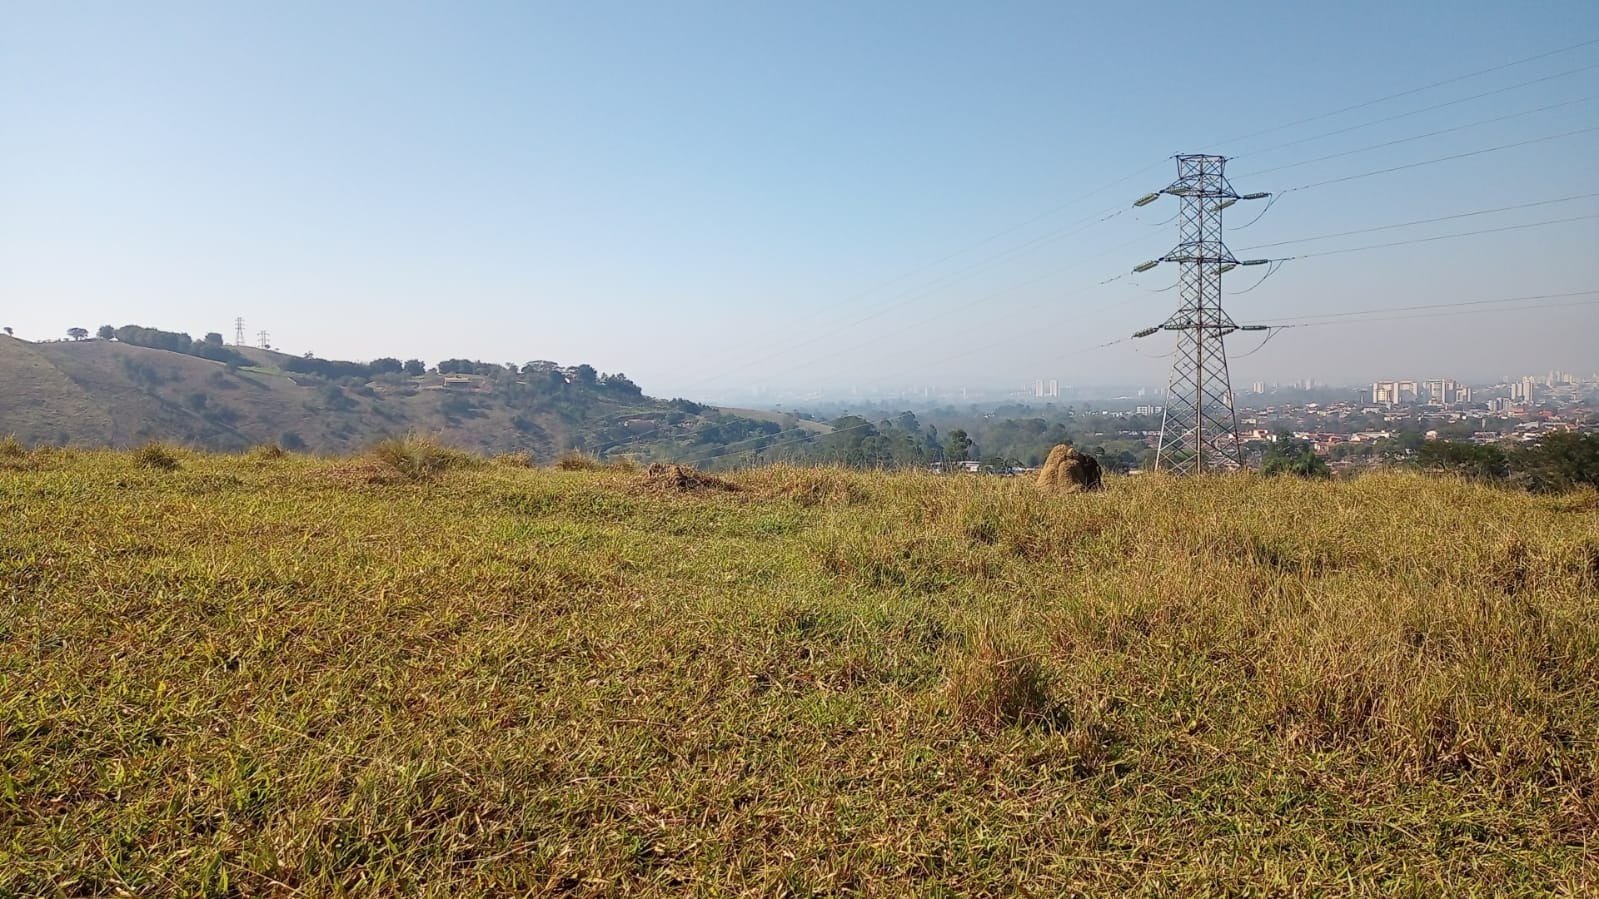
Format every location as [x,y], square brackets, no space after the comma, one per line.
[208,347]
[541,376]
[1287,455]
[904,441]
[1557,462]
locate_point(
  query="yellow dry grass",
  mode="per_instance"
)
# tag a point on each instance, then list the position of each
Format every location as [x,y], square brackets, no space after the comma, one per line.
[241,677]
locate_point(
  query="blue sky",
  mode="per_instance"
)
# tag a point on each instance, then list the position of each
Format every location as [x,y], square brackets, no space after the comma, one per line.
[714,197]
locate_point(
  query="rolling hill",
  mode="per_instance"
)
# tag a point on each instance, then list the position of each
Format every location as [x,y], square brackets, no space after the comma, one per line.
[116,394]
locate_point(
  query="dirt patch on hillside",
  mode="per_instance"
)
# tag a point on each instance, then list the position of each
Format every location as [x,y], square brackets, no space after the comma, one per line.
[667,478]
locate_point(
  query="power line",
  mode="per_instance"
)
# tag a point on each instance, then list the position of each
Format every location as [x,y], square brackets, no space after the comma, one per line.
[1400,243]
[1413,165]
[1414,90]
[1442,218]
[1302,319]
[945,280]
[1414,137]
[1392,318]
[925,290]
[1405,115]
[727,451]
[1355,317]
[1276,264]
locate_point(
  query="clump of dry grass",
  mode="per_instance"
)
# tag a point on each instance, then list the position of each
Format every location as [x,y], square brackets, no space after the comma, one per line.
[156,455]
[515,460]
[11,447]
[662,477]
[575,460]
[1000,683]
[808,486]
[419,458]
[267,452]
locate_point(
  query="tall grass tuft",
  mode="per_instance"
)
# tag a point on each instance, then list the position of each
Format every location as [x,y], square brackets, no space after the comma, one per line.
[515,460]
[999,683]
[574,460]
[12,448]
[419,458]
[156,455]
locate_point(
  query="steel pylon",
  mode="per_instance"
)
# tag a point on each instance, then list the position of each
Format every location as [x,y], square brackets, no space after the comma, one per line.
[1199,427]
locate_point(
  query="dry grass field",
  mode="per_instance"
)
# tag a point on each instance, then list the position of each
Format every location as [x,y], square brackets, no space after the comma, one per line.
[281,675]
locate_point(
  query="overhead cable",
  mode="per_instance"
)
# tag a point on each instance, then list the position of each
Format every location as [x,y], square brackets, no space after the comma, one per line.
[1414,137]
[1441,218]
[1414,90]
[1424,162]
[1400,243]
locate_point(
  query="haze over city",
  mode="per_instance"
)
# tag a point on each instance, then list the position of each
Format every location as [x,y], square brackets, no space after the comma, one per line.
[719,199]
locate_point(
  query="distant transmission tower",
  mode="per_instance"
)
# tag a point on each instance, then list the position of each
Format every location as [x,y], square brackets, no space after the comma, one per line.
[1199,430]
[238,331]
[266,341]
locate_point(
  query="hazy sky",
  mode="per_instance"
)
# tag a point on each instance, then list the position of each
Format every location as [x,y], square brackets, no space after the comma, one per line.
[763,194]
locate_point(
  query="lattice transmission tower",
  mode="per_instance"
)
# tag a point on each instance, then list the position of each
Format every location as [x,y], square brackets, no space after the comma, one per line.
[238,331]
[1199,429]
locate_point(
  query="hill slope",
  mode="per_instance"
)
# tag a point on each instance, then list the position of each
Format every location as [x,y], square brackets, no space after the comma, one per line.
[110,393]
[310,677]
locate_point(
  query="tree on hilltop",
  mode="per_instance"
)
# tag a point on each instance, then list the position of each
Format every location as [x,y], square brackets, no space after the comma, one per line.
[620,383]
[77,333]
[106,332]
[583,375]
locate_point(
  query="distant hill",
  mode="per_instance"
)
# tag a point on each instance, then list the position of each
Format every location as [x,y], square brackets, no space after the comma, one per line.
[112,393]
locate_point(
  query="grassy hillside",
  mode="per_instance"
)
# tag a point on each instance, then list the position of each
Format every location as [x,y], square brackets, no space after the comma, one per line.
[109,393]
[289,676]
[41,404]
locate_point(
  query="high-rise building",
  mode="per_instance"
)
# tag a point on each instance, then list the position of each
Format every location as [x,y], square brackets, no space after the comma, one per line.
[1528,393]
[1445,391]
[1392,393]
